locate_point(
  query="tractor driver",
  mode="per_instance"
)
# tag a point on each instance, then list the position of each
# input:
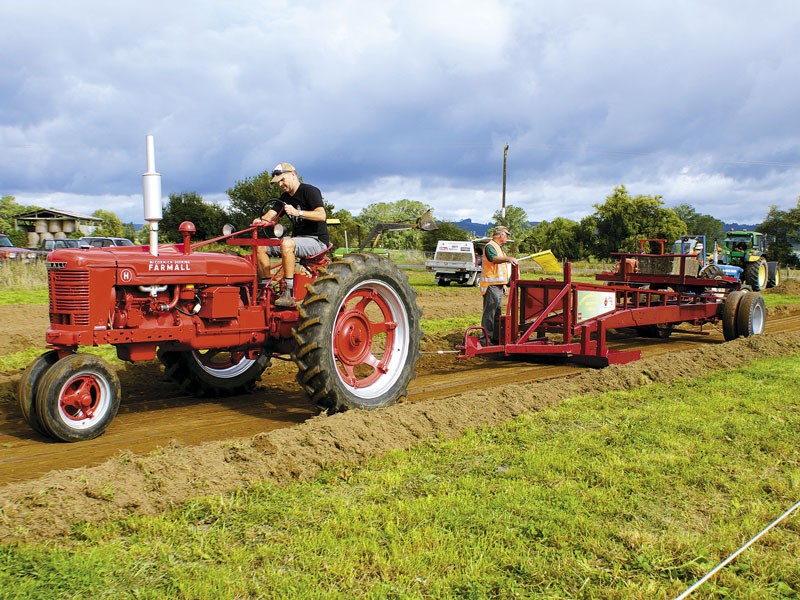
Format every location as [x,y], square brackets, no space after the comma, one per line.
[494,277]
[303,205]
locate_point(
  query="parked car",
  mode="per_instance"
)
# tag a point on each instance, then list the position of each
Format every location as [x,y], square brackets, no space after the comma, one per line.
[105,242]
[47,246]
[8,251]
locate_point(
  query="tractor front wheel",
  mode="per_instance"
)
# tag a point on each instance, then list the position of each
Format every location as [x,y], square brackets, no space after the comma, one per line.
[216,372]
[358,335]
[28,384]
[78,398]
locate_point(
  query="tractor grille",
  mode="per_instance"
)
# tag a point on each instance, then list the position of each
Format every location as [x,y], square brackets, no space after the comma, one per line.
[69,297]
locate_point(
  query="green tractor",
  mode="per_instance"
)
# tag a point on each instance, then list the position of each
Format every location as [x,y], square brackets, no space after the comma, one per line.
[748,251]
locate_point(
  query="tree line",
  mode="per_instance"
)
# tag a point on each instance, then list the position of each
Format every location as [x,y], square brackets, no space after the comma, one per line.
[616,224]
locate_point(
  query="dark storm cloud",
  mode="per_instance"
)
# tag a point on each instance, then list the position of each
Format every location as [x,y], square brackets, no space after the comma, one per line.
[378,101]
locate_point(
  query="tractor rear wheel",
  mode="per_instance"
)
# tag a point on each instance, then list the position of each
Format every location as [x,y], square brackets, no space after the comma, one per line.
[78,398]
[755,274]
[358,335]
[729,311]
[774,278]
[28,384]
[216,372]
[751,315]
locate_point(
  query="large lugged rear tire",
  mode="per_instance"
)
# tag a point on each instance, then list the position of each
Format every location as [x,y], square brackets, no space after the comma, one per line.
[756,275]
[219,372]
[774,277]
[358,335]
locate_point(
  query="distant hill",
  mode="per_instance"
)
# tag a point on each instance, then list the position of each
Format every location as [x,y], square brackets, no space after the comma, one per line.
[480,229]
[740,227]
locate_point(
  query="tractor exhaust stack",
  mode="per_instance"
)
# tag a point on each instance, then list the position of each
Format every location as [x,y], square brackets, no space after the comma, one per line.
[151,181]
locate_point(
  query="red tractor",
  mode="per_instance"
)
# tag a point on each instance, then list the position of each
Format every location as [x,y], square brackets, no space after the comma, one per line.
[354,334]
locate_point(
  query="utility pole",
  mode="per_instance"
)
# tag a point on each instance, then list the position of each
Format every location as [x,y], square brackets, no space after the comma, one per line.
[505,160]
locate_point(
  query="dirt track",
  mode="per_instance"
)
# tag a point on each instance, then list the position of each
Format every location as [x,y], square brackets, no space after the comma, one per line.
[203,446]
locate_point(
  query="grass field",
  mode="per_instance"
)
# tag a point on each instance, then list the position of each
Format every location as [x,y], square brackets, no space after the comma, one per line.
[622,495]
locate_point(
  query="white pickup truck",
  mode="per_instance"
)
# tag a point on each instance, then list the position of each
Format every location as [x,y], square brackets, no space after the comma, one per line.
[455,261]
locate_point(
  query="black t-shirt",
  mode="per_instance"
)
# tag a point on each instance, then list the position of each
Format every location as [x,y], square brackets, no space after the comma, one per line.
[307,198]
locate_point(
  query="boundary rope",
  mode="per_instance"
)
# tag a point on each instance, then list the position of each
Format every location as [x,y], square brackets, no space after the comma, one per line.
[728,560]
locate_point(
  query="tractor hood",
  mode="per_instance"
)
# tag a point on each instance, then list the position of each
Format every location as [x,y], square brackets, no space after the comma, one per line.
[136,266]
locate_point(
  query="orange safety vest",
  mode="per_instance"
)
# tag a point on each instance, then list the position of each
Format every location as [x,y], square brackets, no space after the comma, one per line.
[494,273]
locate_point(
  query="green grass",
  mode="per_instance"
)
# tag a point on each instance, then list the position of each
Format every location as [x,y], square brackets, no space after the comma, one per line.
[440,326]
[23,296]
[780,300]
[622,495]
[19,360]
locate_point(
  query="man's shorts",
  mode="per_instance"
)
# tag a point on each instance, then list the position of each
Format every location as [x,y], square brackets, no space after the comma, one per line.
[303,246]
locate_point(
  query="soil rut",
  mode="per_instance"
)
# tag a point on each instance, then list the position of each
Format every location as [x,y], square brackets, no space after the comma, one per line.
[275,434]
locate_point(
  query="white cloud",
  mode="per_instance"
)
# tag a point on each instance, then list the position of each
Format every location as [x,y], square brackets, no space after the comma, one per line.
[375,101]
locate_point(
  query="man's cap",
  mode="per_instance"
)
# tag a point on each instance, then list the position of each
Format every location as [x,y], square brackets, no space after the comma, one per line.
[500,229]
[279,171]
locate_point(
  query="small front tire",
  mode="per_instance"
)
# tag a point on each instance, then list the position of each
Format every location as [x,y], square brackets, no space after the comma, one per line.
[29,383]
[78,398]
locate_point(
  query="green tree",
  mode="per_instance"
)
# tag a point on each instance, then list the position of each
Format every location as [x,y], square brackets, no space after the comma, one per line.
[697,224]
[621,221]
[401,211]
[445,231]
[129,231]
[345,234]
[9,208]
[251,198]
[111,225]
[567,239]
[208,218]
[518,225]
[784,228]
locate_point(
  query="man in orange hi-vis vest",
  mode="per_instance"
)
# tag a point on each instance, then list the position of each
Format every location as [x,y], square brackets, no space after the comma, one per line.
[494,277]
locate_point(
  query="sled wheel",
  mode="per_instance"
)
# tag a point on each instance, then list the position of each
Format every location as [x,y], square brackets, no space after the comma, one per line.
[358,335]
[78,397]
[215,372]
[729,311]
[751,315]
[755,274]
[26,390]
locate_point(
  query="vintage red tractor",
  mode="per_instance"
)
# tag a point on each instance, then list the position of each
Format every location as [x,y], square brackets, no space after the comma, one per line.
[354,334]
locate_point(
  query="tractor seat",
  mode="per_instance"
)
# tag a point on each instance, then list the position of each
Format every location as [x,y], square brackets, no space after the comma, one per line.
[316,258]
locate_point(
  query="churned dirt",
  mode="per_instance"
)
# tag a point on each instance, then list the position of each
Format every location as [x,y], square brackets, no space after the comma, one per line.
[447,398]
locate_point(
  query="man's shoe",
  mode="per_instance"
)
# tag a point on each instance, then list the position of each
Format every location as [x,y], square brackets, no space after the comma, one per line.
[286,300]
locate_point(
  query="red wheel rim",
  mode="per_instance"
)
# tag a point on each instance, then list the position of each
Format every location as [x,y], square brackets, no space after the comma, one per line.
[223,363]
[80,398]
[363,335]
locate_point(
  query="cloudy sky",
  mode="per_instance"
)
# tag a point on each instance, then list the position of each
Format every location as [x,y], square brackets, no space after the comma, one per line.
[380,100]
